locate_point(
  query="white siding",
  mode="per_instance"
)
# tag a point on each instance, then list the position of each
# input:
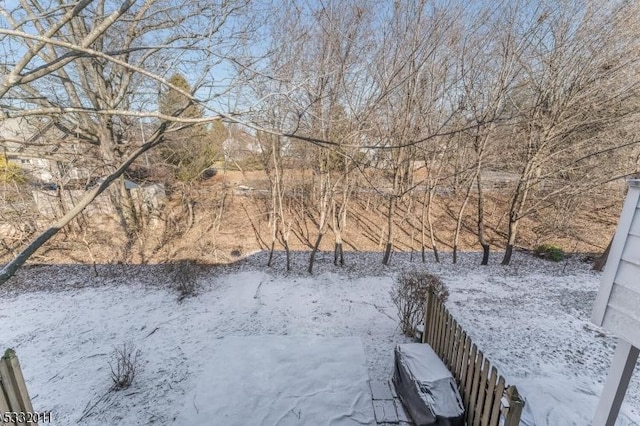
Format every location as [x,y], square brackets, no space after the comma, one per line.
[617,306]
[622,326]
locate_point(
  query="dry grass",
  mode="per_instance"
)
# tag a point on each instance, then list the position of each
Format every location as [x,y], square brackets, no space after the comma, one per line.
[243,227]
[124,366]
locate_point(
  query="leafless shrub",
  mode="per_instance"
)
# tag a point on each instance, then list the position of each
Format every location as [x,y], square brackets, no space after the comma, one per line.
[185,275]
[126,365]
[409,294]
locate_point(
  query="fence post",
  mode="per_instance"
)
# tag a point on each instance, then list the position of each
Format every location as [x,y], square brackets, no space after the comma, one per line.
[515,407]
[4,404]
[13,385]
[428,307]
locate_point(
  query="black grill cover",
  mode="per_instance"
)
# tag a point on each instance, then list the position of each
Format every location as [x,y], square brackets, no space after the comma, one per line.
[426,387]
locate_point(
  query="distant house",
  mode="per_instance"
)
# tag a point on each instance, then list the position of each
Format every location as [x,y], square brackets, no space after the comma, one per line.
[53,202]
[44,152]
[61,168]
[239,145]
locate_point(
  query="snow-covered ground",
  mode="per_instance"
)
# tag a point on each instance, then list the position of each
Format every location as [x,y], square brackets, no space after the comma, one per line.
[284,381]
[531,319]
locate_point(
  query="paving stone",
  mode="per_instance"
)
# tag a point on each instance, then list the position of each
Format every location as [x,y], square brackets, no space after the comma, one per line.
[402,413]
[385,411]
[380,390]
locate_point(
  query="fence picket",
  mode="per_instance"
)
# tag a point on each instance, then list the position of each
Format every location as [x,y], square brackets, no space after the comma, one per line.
[454,346]
[452,341]
[438,334]
[465,363]
[497,396]
[427,332]
[443,335]
[443,332]
[10,389]
[12,397]
[13,391]
[18,380]
[447,337]
[482,389]
[475,387]
[488,407]
[512,417]
[455,350]
[4,404]
[470,374]
[433,315]
[449,340]
[459,352]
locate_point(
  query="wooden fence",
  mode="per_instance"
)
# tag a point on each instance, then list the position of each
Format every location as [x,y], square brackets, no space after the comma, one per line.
[13,391]
[484,392]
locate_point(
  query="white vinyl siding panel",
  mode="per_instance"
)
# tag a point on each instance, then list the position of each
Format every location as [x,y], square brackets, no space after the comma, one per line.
[625,246]
[622,325]
[631,251]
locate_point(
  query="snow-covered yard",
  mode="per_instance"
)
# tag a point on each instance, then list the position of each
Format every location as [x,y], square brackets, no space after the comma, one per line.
[531,319]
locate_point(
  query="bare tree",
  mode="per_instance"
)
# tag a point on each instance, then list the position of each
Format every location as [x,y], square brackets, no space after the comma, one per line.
[279,226]
[488,72]
[413,78]
[274,84]
[433,164]
[336,35]
[93,70]
[574,89]
[411,99]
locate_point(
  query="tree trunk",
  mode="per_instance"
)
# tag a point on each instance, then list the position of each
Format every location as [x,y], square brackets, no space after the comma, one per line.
[513,228]
[273,245]
[456,234]
[190,203]
[338,255]
[422,228]
[312,257]
[389,246]
[507,255]
[337,248]
[118,193]
[601,261]
[431,231]
[288,253]
[436,255]
[285,243]
[274,234]
[485,254]
[60,196]
[519,199]
[387,254]
[481,234]
[413,239]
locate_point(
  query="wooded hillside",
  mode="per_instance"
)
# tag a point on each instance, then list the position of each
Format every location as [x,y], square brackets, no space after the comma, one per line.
[320,125]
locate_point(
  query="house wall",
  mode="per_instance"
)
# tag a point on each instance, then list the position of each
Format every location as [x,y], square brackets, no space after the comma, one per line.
[617,306]
[149,200]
